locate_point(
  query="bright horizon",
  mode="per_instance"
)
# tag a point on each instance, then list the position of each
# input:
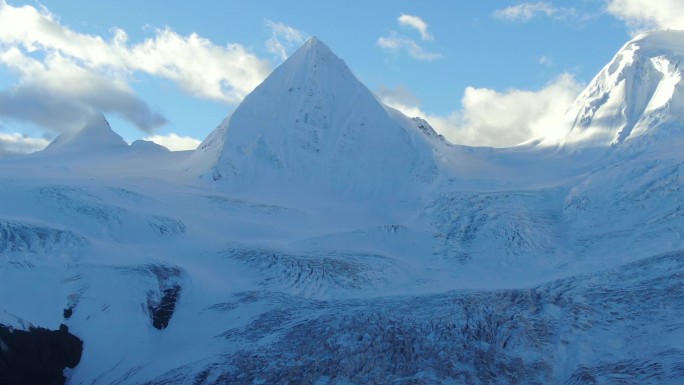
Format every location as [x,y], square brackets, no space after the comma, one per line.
[480,73]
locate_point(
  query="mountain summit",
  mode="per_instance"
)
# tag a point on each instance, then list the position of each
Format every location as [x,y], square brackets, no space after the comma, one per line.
[311,122]
[95,135]
[638,93]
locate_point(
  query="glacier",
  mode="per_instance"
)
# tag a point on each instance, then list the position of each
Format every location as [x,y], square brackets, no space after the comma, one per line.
[318,236]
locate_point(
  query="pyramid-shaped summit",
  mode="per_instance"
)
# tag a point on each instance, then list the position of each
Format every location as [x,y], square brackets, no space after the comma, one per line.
[96,135]
[312,123]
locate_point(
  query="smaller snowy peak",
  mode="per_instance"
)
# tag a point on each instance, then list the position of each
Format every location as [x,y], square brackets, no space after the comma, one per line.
[141,145]
[638,94]
[96,135]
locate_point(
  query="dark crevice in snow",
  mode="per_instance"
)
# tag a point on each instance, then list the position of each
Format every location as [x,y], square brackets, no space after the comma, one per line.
[37,356]
[162,312]
[162,304]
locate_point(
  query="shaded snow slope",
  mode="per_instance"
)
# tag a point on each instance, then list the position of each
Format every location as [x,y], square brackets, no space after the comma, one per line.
[312,123]
[638,94]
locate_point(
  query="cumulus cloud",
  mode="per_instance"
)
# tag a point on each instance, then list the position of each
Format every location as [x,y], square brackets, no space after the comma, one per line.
[283,39]
[175,142]
[70,74]
[525,12]
[500,119]
[17,144]
[397,42]
[643,15]
[416,23]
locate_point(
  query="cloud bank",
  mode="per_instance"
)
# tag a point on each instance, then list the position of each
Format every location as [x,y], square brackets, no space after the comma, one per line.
[641,15]
[17,144]
[66,76]
[498,119]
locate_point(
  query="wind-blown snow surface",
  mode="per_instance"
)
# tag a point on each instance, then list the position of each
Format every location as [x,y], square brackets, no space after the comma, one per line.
[483,266]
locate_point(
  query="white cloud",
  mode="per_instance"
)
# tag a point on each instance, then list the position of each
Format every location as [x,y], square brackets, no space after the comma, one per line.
[175,142]
[525,12]
[643,15]
[500,119]
[16,144]
[198,66]
[77,73]
[283,39]
[416,23]
[398,43]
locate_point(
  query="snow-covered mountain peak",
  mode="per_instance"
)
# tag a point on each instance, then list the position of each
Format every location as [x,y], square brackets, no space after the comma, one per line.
[95,135]
[314,47]
[312,123]
[638,93]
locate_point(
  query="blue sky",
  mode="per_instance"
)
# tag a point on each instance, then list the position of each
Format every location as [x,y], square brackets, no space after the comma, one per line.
[482,72]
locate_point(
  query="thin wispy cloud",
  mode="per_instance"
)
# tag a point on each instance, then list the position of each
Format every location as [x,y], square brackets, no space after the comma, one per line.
[397,43]
[283,39]
[525,12]
[64,76]
[546,61]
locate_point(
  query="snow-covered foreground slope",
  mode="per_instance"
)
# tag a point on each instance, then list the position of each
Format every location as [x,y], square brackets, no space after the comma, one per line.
[458,265]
